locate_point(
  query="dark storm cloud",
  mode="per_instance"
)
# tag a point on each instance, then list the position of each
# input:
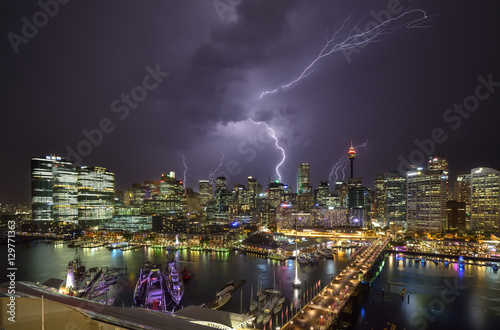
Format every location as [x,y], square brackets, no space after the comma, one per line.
[391,92]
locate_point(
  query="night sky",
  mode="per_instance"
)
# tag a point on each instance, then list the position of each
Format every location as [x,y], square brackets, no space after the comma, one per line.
[215,58]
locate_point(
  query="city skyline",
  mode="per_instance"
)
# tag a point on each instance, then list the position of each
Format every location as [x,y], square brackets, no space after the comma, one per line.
[204,82]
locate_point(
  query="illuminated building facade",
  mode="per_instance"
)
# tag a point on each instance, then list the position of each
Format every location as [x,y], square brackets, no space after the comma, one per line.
[395,185]
[96,187]
[54,189]
[485,199]
[463,193]
[380,201]
[323,193]
[303,181]
[426,200]
[205,192]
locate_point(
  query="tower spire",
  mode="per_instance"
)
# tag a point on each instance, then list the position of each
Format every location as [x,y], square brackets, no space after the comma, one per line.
[352,155]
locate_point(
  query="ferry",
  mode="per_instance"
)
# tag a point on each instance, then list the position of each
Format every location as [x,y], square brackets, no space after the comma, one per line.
[175,284]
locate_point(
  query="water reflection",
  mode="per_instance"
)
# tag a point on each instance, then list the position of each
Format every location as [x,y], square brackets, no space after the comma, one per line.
[209,270]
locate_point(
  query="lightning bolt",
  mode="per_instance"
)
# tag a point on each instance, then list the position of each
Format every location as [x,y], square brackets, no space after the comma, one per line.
[273,134]
[185,169]
[355,38]
[211,174]
[344,161]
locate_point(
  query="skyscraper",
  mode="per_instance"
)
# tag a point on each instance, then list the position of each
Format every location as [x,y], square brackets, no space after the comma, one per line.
[253,188]
[220,184]
[380,201]
[323,193]
[440,163]
[205,192]
[395,185]
[303,182]
[54,189]
[462,193]
[456,214]
[426,200]
[485,199]
[96,186]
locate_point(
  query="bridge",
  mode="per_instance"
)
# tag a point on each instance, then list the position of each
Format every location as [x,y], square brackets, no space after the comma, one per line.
[323,309]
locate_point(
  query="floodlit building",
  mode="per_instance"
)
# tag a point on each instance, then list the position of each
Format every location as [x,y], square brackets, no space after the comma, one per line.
[380,201]
[54,189]
[395,185]
[426,200]
[485,199]
[96,186]
[303,181]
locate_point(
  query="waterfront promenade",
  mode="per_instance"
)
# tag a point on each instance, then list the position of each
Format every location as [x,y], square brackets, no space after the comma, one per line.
[322,310]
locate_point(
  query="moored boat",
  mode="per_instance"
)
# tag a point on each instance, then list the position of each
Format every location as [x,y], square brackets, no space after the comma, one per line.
[175,285]
[155,291]
[221,300]
[140,286]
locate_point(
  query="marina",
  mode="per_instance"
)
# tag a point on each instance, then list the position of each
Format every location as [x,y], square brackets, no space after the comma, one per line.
[212,270]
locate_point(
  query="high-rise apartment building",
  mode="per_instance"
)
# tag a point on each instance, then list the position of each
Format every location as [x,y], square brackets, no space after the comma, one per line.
[426,200]
[485,199]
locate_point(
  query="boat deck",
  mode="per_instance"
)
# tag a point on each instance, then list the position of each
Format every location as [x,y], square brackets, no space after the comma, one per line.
[236,285]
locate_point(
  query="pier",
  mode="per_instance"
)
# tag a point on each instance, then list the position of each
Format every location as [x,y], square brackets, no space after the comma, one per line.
[323,309]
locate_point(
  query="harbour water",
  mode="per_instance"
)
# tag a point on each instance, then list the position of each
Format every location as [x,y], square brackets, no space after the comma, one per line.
[440,297]
[37,262]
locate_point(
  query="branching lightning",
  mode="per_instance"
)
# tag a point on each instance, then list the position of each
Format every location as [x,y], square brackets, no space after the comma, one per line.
[355,38]
[344,161]
[273,134]
[211,174]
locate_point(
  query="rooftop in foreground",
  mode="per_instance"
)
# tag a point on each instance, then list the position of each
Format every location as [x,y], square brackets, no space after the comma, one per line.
[71,310]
